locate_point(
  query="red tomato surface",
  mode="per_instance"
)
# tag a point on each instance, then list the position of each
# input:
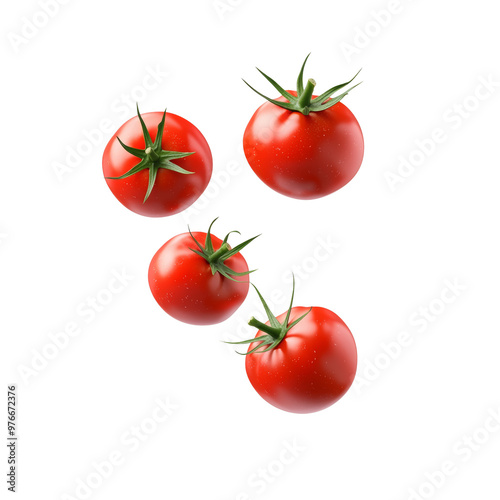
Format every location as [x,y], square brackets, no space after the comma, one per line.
[304,156]
[173,191]
[183,284]
[311,368]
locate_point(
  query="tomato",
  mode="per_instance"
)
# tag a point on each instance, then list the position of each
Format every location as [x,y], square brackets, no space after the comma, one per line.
[198,279]
[302,145]
[302,361]
[301,156]
[157,164]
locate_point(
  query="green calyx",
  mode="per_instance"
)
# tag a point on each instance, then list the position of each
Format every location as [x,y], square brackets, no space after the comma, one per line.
[303,102]
[275,332]
[216,258]
[153,157]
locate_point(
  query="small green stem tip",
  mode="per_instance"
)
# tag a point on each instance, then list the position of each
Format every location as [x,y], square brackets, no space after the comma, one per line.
[305,99]
[273,332]
[151,153]
[222,250]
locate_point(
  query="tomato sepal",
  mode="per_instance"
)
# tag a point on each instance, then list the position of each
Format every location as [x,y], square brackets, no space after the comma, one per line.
[275,332]
[216,258]
[303,101]
[153,157]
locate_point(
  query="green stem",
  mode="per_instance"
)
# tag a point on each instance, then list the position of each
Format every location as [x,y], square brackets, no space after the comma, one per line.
[274,332]
[219,253]
[151,154]
[305,98]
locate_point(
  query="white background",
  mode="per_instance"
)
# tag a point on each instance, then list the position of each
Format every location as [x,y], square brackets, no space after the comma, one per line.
[62,238]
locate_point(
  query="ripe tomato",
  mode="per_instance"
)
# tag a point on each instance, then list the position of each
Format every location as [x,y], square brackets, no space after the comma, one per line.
[198,279]
[157,164]
[302,361]
[302,145]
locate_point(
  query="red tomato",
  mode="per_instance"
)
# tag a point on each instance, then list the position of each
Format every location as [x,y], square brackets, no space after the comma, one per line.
[157,175]
[198,279]
[302,361]
[308,149]
[301,156]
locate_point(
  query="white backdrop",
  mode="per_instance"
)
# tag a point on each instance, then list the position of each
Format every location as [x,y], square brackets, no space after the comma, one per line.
[409,259]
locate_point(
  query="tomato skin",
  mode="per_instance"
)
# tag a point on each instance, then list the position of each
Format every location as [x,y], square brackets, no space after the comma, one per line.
[173,192]
[311,368]
[183,284]
[304,156]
